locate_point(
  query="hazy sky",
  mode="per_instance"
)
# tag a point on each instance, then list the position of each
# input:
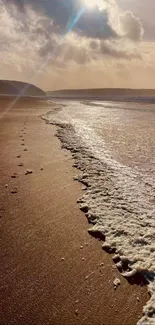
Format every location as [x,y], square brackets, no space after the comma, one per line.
[59,44]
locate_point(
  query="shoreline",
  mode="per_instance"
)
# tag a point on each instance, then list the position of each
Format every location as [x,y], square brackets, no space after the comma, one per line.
[69,278]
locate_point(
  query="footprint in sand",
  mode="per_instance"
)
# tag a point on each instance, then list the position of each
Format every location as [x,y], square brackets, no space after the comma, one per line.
[28,171]
[25,149]
[23,144]
[14,190]
[19,156]
[21,164]
[1,212]
[14,175]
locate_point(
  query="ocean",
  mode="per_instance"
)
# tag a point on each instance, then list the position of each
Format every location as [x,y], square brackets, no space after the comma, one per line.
[113,146]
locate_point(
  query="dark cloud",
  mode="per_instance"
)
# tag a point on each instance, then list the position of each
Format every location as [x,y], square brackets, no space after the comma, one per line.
[32,30]
[93,23]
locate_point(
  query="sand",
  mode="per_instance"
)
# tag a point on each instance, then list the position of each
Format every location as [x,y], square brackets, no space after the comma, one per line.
[52,270]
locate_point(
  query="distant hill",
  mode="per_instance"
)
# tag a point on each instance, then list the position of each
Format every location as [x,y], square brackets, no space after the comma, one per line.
[14,88]
[102,93]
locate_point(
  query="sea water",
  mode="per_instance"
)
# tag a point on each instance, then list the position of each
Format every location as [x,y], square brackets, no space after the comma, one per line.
[113,146]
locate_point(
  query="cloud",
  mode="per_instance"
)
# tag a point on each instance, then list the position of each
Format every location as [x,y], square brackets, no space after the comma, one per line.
[145,11]
[94,23]
[131,26]
[117,51]
[32,33]
[22,35]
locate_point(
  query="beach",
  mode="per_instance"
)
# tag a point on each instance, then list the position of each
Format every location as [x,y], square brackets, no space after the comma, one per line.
[52,270]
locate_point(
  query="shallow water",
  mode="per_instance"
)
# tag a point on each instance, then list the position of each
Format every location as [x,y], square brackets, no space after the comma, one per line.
[113,145]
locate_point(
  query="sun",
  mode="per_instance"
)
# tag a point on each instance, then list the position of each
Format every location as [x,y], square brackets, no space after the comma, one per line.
[94,3]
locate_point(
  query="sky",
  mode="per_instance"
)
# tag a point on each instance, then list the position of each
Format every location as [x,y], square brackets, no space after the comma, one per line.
[62,44]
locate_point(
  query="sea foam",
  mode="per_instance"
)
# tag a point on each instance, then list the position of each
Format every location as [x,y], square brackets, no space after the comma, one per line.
[118,201]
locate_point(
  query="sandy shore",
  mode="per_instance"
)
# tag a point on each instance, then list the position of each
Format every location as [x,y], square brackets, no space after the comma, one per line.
[52,270]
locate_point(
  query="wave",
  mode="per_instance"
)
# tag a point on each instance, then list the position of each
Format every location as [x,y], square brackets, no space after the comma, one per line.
[119,202]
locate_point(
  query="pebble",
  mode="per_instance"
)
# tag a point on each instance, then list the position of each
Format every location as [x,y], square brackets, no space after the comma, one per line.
[28,171]
[116,283]
[62,259]
[86,277]
[76,312]
[81,247]
[82,258]
[138,299]
[6,185]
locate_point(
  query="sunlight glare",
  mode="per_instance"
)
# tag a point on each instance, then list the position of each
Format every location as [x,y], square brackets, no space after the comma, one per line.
[94,3]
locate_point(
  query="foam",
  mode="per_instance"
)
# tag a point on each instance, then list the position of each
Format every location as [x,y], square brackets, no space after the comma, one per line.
[117,201]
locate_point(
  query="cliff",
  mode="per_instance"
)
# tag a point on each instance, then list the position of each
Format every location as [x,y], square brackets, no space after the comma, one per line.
[14,88]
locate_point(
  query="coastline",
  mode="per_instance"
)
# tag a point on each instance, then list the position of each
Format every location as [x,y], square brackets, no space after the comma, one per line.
[53,271]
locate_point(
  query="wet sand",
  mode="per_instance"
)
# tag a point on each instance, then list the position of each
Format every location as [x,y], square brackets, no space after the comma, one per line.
[52,270]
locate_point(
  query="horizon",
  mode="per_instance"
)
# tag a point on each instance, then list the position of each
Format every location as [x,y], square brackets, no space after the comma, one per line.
[72,89]
[78,89]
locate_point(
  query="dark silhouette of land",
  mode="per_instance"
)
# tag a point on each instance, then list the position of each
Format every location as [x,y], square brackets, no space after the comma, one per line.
[16,88]
[104,93]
